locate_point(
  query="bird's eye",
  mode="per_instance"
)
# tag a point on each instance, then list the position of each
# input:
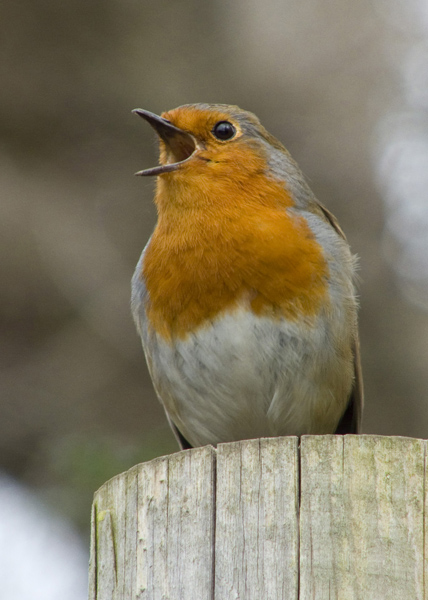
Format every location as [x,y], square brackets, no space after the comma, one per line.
[223,130]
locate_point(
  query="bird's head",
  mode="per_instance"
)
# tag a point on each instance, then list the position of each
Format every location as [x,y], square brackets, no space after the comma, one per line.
[219,150]
[216,139]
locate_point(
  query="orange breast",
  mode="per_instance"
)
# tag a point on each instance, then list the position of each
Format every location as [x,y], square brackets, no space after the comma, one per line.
[220,241]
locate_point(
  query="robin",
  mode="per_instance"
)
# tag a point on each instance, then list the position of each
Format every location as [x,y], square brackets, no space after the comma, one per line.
[244,295]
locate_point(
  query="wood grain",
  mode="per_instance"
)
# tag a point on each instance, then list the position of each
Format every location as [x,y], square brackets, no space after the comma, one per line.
[257,520]
[338,518]
[362,518]
[163,530]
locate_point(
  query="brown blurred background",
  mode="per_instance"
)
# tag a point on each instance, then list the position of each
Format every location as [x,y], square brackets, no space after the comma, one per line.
[343,84]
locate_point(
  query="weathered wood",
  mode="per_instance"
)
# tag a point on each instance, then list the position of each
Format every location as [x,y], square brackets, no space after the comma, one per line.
[154,531]
[257,520]
[341,517]
[362,518]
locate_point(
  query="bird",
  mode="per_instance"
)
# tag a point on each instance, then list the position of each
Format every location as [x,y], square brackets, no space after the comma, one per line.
[244,296]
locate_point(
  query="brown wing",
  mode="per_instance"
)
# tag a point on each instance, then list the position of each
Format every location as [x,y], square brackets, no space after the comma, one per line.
[331,219]
[352,417]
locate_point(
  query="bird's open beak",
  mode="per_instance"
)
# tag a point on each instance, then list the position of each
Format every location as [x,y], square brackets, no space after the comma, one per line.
[179,144]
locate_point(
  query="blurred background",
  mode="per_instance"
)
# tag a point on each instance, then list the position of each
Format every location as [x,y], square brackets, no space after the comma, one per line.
[343,84]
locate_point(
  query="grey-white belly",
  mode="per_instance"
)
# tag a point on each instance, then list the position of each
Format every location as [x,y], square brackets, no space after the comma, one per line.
[244,376]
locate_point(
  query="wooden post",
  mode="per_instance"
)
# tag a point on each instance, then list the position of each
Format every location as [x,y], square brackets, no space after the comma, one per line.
[338,517]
